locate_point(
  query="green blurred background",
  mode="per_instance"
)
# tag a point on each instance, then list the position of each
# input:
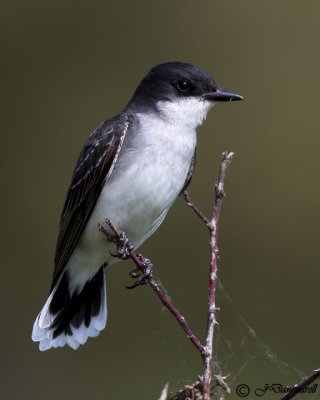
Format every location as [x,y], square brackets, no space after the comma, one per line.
[68,65]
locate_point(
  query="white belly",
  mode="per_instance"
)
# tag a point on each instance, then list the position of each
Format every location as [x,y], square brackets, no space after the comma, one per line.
[143,186]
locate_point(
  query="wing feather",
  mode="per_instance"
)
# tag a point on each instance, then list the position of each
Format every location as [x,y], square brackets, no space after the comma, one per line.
[190,173]
[94,166]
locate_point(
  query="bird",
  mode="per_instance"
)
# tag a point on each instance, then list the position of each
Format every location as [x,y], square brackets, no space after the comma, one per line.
[130,170]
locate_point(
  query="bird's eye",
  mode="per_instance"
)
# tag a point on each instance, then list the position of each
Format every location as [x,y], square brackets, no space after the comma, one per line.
[184,86]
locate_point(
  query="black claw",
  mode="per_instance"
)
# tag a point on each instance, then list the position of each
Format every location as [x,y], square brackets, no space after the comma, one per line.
[112,254]
[118,254]
[142,280]
[124,246]
[134,273]
[132,286]
[142,277]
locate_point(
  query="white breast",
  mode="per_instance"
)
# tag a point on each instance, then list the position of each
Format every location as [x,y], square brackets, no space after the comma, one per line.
[147,178]
[151,173]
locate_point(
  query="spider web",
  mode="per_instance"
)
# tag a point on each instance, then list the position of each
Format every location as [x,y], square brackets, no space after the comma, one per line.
[246,363]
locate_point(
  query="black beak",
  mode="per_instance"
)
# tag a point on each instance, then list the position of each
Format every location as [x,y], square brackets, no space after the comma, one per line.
[222,95]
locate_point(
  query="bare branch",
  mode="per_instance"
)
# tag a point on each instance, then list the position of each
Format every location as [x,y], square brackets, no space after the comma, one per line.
[195,209]
[166,301]
[164,393]
[192,391]
[125,250]
[299,387]
[226,158]
[141,262]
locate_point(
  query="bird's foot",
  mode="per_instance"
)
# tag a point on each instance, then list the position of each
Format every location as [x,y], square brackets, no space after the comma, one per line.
[143,274]
[124,247]
[120,239]
[142,277]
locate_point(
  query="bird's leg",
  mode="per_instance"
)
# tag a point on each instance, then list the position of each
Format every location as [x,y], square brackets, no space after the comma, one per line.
[142,274]
[124,247]
[120,239]
[143,270]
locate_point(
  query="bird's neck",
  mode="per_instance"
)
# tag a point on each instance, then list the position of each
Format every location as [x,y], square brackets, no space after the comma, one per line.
[189,112]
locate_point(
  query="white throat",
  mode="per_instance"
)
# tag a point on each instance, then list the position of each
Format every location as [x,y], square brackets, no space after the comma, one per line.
[189,111]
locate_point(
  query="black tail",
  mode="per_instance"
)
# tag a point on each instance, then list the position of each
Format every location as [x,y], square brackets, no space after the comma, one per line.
[71,319]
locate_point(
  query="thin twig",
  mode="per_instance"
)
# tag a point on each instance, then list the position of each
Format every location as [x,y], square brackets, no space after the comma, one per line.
[190,391]
[164,393]
[140,263]
[212,224]
[226,158]
[195,209]
[166,301]
[299,387]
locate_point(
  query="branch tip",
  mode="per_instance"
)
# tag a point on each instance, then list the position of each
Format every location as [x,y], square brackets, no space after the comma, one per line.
[203,386]
[164,393]
[298,387]
[226,156]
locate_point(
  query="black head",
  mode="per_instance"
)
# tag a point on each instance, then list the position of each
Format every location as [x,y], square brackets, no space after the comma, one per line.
[172,80]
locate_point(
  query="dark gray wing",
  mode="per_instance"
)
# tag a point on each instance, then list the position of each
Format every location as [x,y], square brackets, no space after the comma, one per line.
[189,176]
[94,166]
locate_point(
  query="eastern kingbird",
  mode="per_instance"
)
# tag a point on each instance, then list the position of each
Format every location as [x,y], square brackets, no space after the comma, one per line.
[130,170]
